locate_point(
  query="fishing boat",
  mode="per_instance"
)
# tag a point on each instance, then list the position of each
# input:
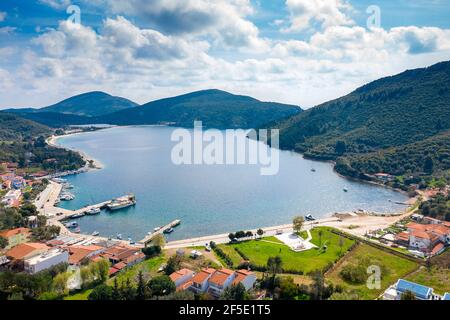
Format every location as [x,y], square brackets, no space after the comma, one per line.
[93,211]
[121,203]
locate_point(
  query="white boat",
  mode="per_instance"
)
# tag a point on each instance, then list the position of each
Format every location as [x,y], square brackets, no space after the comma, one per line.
[309,217]
[157,229]
[121,203]
[119,236]
[71,225]
[167,231]
[93,211]
[95,233]
[77,215]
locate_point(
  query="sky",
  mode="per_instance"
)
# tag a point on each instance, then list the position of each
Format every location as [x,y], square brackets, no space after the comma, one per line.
[303,52]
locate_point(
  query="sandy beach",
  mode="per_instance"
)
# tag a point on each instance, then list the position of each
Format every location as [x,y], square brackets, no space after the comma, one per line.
[91,163]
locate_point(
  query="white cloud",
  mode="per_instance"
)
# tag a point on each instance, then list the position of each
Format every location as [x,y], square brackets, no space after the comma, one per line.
[308,14]
[56,4]
[225,21]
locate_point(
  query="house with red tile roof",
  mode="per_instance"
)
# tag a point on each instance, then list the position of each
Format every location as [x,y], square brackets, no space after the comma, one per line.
[200,280]
[219,281]
[429,238]
[79,253]
[246,278]
[182,276]
[26,250]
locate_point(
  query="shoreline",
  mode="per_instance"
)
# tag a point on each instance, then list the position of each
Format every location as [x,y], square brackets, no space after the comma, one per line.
[91,163]
[383,219]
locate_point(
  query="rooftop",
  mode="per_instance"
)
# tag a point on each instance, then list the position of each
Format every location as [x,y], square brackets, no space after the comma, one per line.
[24,249]
[418,290]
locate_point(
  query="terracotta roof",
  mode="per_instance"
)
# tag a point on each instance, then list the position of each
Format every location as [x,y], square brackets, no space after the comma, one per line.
[226,271]
[24,249]
[112,271]
[185,286]
[13,232]
[402,236]
[120,265]
[134,257]
[78,253]
[424,235]
[437,248]
[219,278]
[241,275]
[201,277]
[180,273]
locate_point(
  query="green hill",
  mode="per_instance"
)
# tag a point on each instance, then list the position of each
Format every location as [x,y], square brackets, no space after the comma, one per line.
[382,126]
[23,141]
[215,108]
[90,104]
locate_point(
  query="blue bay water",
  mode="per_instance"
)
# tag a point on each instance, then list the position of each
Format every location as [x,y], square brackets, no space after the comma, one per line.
[208,199]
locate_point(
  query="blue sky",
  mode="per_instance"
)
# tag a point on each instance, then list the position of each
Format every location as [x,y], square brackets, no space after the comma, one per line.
[296,51]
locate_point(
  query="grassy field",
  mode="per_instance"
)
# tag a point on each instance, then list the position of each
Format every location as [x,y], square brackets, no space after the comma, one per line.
[259,251]
[436,278]
[79,296]
[393,268]
[234,256]
[148,267]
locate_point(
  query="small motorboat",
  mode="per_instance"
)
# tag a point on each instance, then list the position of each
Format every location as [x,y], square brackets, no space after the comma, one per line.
[313,170]
[76,216]
[156,229]
[309,217]
[95,233]
[345,190]
[71,225]
[119,236]
[93,211]
[168,231]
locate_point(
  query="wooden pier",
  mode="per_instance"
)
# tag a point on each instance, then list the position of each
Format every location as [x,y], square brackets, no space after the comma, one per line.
[150,237]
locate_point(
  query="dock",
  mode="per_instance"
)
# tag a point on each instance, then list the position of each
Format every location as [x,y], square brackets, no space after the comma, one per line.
[150,237]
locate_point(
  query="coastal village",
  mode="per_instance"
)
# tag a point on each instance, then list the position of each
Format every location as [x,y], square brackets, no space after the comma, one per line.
[255,264]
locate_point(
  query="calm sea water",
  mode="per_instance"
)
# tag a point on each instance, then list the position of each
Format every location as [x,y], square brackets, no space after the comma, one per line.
[208,199]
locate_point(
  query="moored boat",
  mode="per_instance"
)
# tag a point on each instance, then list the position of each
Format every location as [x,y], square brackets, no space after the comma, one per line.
[121,203]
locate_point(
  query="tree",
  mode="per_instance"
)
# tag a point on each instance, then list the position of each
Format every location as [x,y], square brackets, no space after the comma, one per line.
[274,265]
[151,251]
[288,289]
[141,292]
[128,292]
[340,147]
[179,295]
[235,292]
[318,285]
[231,236]
[60,283]
[320,233]
[3,242]
[161,286]
[159,240]
[260,232]
[428,165]
[298,223]
[116,293]
[173,264]
[102,267]
[28,209]
[408,295]
[249,234]
[101,292]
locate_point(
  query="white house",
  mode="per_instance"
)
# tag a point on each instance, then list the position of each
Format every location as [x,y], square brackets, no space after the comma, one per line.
[420,292]
[45,260]
[247,278]
[182,276]
[219,281]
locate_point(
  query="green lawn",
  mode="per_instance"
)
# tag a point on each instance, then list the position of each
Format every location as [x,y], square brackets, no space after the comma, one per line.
[79,296]
[393,268]
[437,278]
[148,267]
[259,251]
[234,256]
